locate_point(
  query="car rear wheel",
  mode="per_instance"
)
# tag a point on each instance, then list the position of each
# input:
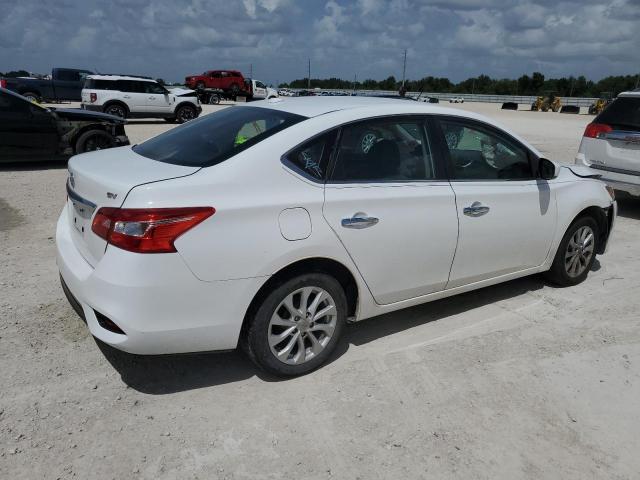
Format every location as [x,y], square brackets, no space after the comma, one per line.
[576,253]
[200,86]
[185,113]
[93,140]
[116,110]
[297,326]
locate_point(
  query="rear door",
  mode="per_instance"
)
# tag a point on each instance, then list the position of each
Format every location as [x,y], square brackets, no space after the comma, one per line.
[27,131]
[392,208]
[507,217]
[259,90]
[618,151]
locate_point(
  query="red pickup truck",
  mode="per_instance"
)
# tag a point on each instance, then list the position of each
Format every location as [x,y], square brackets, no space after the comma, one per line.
[226,80]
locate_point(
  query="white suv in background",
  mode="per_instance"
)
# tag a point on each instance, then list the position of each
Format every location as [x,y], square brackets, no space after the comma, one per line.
[611,144]
[139,97]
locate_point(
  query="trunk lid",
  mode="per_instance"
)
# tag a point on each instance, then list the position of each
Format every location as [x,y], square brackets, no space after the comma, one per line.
[103,179]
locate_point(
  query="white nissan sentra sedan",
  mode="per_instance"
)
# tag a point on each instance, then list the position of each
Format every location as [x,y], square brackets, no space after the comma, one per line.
[270,225]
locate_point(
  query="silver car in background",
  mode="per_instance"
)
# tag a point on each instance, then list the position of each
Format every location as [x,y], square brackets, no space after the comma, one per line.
[611,144]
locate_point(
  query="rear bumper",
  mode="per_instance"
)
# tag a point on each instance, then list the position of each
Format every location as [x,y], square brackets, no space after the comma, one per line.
[91,107]
[624,180]
[155,299]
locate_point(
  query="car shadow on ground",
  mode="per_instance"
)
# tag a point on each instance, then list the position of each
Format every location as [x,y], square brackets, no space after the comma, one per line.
[165,374]
[628,207]
[28,166]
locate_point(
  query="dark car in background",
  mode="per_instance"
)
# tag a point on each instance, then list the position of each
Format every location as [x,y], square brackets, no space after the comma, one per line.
[30,132]
[64,84]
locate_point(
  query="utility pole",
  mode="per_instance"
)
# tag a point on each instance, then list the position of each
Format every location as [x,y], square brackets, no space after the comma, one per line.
[309,75]
[251,70]
[355,80]
[473,86]
[404,67]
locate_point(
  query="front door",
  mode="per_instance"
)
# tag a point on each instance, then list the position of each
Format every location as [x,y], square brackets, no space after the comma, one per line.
[158,98]
[507,217]
[391,208]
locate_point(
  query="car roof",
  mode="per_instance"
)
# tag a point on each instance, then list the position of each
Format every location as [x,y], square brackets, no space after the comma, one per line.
[120,77]
[314,106]
[634,93]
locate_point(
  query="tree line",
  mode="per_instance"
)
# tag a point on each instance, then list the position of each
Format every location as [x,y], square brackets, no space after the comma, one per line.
[536,84]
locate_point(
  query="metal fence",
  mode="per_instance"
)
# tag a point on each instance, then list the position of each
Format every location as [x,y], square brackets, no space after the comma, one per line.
[469,97]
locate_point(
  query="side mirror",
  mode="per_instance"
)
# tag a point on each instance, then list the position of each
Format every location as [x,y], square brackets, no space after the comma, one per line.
[547,170]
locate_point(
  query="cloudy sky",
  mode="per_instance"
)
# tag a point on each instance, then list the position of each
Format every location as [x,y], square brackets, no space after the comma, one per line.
[452,38]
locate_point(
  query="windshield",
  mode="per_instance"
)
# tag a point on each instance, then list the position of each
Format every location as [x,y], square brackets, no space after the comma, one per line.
[216,137]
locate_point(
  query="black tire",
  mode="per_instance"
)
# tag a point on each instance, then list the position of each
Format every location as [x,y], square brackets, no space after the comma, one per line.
[31,96]
[93,140]
[200,86]
[255,341]
[235,89]
[185,113]
[214,99]
[116,109]
[559,272]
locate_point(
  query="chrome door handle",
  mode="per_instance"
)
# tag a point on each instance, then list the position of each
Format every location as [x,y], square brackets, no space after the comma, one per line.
[359,221]
[475,210]
[126,96]
[152,98]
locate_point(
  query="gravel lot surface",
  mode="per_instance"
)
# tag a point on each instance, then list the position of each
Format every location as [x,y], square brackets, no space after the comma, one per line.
[517,381]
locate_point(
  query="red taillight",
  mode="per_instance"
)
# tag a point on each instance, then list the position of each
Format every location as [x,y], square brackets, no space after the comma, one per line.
[3,83]
[147,230]
[93,97]
[595,130]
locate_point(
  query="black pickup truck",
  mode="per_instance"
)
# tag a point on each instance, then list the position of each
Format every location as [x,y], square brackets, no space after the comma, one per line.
[64,84]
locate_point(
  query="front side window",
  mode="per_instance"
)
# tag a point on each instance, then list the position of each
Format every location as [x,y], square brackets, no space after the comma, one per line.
[211,139]
[480,153]
[312,158]
[150,87]
[384,150]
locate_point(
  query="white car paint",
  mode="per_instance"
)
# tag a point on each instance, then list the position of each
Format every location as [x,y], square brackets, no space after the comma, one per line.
[196,298]
[616,157]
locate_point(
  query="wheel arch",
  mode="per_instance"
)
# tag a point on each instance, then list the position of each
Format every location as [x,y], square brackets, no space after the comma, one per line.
[118,102]
[183,104]
[76,135]
[602,218]
[328,266]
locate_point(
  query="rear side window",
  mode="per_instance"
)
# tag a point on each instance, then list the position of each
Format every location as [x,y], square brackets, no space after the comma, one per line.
[623,113]
[214,138]
[93,84]
[384,150]
[312,158]
[68,75]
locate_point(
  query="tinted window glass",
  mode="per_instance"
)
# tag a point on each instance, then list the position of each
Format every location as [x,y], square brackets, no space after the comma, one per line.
[213,138]
[311,159]
[68,75]
[624,112]
[384,150]
[101,84]
[478,153]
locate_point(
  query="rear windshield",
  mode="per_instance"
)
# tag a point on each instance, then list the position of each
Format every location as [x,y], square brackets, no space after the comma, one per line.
[624,112]
[213,138]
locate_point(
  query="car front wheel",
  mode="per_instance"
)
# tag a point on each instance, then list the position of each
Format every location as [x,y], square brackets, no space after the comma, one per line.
[185,113]
[297,326]
[93,140]
[576,253]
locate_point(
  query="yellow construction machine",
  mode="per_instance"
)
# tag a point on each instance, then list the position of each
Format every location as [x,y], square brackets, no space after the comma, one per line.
[600,104]
[549,101]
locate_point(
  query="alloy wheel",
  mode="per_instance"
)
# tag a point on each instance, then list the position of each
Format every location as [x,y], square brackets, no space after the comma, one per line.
[579,251]
[302,325]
